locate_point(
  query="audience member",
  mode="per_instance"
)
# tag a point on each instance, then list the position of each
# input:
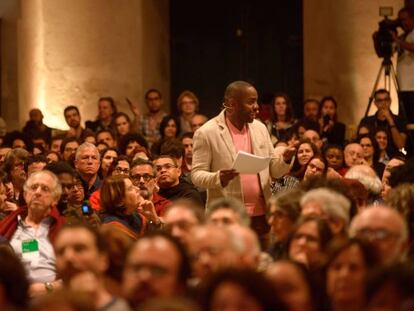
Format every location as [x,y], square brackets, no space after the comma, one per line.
[122,124]
[106,111]
[227,211]
[81,262]
[156,266]
[32,230]
[168,179]
[281,124]
[386,120]
[148,125]
[73,120]
[181,218]
[198,121]
[385,229]
[35,126]
[68,149]
[187,105]
[332,131]
[87,160]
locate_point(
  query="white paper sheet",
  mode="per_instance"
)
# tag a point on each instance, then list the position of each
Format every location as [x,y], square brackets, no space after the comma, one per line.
[247,163]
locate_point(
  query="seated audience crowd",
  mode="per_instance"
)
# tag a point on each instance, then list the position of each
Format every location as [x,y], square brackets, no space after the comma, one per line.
[107,217]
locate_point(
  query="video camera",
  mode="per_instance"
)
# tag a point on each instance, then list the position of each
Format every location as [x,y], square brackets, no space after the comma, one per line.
[383,40]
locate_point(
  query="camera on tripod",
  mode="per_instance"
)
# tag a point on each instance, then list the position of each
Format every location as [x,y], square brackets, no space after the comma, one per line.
[383,39]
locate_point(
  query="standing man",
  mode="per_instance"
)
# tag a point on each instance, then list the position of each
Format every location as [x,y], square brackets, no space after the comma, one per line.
[216,145]
[405,65]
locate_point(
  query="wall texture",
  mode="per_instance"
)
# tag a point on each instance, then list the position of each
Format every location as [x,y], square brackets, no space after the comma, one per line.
[339,57]
[73,52]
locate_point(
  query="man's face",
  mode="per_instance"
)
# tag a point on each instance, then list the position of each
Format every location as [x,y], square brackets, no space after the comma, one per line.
[224,217]
[353,154]
[154,102]
[197,121]
[188,148]
[76,193]
[314,137]
[180,222]
[105,110]
[66,180]
[36,116]
[407,21]
[151,270]
[55,147]
[38,196]
[168,173]
[210,250]
[245,105]
[106,138]
[88,161]
[70,148]
[76,252]
[72,118]
[142,176]
[311,110]
[383,103]
[382,227]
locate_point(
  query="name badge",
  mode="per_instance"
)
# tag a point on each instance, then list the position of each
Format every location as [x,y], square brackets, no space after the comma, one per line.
[30,250]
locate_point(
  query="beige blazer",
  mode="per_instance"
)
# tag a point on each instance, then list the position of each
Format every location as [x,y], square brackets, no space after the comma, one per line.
[213,150]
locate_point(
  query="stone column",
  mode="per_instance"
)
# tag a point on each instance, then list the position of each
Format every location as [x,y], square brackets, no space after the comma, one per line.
[73,52]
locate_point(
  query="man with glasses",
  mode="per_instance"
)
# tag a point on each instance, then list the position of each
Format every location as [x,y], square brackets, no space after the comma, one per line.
[32,230]
[385,229]
[142,175]
[156,266]
[384,119]
[168,178]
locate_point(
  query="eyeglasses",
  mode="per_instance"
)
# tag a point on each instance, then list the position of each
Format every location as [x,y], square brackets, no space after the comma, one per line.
[376,235]
[155,270]
[382,100]
[43,188]
[165,166]
[146,177]
[121,170]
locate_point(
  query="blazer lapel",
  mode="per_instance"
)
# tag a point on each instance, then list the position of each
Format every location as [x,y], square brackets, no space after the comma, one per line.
[225,135]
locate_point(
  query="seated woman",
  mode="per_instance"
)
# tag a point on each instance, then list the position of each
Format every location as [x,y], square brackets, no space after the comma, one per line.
[122,124]
[332,131]
[347,268]
[317,166]
[281,124]
[169,129]
[119,203]
[306,150]
[284,212]
[371,153]
[308,241]
[381,137]
[108,156]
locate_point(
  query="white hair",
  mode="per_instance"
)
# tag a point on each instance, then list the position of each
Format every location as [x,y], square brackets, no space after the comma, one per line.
[366,176]
[84,146]
[333,204]
[57,188]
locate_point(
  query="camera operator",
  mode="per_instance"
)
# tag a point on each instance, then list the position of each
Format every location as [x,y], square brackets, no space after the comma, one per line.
[405,65]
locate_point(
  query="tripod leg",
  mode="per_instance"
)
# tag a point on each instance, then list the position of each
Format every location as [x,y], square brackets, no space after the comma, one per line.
[371,98]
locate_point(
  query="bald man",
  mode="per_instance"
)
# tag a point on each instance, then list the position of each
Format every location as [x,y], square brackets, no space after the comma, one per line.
[385,229]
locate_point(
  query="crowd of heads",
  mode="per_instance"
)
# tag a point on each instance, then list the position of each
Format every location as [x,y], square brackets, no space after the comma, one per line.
[126,225]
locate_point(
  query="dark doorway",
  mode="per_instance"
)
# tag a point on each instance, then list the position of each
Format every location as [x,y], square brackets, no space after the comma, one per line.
[216,42]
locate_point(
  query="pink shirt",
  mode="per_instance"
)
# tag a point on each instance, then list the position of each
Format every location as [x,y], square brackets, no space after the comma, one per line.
[252,192]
